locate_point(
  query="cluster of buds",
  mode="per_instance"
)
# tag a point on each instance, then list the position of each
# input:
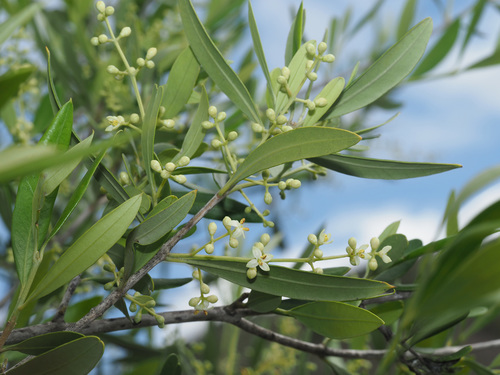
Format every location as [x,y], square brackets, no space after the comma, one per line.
[217,118]
[238,231]
[278,123]
[202,302]
[166,172]
[290,183]
[118,276]
[115,122]
[104,13]
[209,247]
[260,258]
[166,124]
[356,253]
[140,303]
[317,241]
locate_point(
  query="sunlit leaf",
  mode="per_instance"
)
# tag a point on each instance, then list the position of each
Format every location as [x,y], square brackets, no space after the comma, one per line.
[476,16]
[336,320]
[294,39]
[294,145]
[406,18]
[385,73]
[378,168]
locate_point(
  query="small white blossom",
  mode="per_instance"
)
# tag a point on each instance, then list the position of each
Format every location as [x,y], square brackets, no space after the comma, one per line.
[114,122]
[260,259]
[356,253]
[383,254]
[240,229]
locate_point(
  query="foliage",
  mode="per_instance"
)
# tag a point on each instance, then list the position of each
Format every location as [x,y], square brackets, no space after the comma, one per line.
[91,220]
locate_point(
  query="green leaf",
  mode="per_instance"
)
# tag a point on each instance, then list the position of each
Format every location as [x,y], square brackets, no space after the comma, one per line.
[78,310]
[77,357]
[89,247]
[55,175]
[156,226]
[294,39]
[29,227]
[294,145]
[282,281]
[17,20]
[171,283]
[330,92]
[172,365]
[336,320]
[378,168]
[477,367]
[385,73]
[214,63]
[263,302]
[389,312]
[180,83]
[476,16]
[259,51]
[439,51]
[11,81]
[390,230]
[148,133]
[40,344]
[296,80]
[196,132]
[197,170]
[406,18]
[398,243]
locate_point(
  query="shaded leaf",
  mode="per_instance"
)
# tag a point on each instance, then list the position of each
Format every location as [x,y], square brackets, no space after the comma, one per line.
[263,302]
[172,365]
[17,20]
[378,168]
[43,343]
[294,145]
[12,80]
[336,320]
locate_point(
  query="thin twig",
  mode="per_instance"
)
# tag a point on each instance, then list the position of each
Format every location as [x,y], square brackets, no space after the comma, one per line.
[61,310]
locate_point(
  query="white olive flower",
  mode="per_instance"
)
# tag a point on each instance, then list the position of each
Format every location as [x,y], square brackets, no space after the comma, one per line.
[383,254]
[324,239]
[114,122]
[356,253]
[260,259]
[240,229]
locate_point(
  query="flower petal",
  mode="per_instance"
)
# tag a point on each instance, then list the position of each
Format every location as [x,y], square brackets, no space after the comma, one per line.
[252,263]
[264,266]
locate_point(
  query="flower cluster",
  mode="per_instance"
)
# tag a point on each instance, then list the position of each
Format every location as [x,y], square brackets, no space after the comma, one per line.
[203,301]
[356,253]
[166,171]
[144,303]
[317,241]
[260,259]
[238,231]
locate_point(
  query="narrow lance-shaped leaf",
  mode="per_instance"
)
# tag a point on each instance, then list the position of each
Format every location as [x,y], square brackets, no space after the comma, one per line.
[11,81]
[282,281]
[385,73]
[294,145]
[77,357]
[406,18]
[148,133]
[336,320]
[476,16]
[196,132]
[259,51]
[294,39]
[25,219]
[17,20]
[89,247]
[214,63]
[180,83]
[378,168]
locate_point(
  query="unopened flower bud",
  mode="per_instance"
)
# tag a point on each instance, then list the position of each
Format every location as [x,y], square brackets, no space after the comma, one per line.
[281,120]
[372,264]
[100,6]
[266,213]
[132,71]
[151,53]
[352,242]
[196,274]
[150,303]
[94,41]
[160,320]
[375,243]
[285,72]
[207,125]
[310,105]
[209,248]
[311,50]
[170,166]
[282,80]
[126,31]
[328,58]
[216,143]
[233,242]
[101,17]
[295,184]
[232,136]
[109,286]
[183,161]
[138,317]
[103,38]
[133,307]
[322,48]
[282,185]
[248,209]
[257,128]
[194,301]
[134,118]
[252,273]
[180,178]
[124,178]
[318,253]
[270,114]
[221,116]
[318,270]
[212,298]
[309,64]
[286,128]
[150,64]
[265,238]
[204,288]
[161,111]
[165,174]
[109,11]
[168,123]
[155,165]
[227,222]
[320,102]
[268,198]
[312,76]
[212,111]
[313,240]
[140,61]
[111,69]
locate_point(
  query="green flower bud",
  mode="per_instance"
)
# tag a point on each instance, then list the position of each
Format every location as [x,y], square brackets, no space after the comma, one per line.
[169,123]
[194,301]
[352,242]
[196,274]
[285,72]
[226,222]
[286,128]
[170,167]
[205,289]
[111,69]
[282,80]
[265,238]
[140,61]
[212,228]
[212,111]
[151,53]
[270,114]
[109,11]
[252,273]
[257,128]
[268,198]
[232,135]
[266,212]
[134,118]
[165,174]
[101,17]
[320,102]
[180,178]
[108,267]
[259,245]
[101,7]
[132,71]
[375,243]
[318,253]
[155,165]
[150,64]
[133,307]
[310,105]
[309,64]
[265,174]
[311,50]
[216,143]
[103,38]
[221,116]
[160,320]
[209,248]
[233,242]
[212,298]
[150,303]
[248,209]
[109,286]
[126,31]
[313,240]
[124,178]
[322,48]
[138,316]
[94,41]
[295,184]
[282,185]
[183,161]
[318,270]
[162,110]
[328,58]
[207,125]
[312,76]
[372,264]
[281,120]
[269,224]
